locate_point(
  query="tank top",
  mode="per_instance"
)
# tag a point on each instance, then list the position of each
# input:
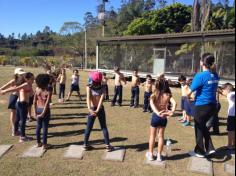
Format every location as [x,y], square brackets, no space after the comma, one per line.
[75,80]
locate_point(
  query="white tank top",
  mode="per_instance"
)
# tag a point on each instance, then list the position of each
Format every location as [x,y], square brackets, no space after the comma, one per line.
[231,100]
[75,80]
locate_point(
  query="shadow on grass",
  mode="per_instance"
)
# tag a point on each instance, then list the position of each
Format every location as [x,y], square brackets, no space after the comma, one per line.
[74,103]
[68,116]
[145,146]
[178,157]
[94,142]
[62,134]
[221,134]
[222,118]
[222,155]
[222,124]
[65,124]
[65,133]
[68,107]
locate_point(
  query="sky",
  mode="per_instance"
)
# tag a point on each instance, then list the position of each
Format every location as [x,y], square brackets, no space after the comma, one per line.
[30,16]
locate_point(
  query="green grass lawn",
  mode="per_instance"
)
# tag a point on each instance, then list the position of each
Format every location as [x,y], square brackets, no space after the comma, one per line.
[127,127]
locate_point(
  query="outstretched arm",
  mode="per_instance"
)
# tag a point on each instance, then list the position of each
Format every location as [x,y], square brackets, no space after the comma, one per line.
[7,85]
[13,89]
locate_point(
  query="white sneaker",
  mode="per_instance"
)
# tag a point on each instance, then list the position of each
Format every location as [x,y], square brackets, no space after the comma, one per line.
[211,153]
[192,153]
[149,156]
[159,158]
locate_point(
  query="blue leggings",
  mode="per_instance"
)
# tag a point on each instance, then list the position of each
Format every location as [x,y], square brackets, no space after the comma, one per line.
[21,116]
[102,119]
[42,123]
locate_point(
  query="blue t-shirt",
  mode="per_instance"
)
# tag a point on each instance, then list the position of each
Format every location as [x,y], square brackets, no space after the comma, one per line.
[205,84]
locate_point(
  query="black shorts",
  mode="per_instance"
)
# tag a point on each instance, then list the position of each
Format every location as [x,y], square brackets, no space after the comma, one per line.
[12,101]
[31,101]
[50,88]
[74,88]
[158,121]
[231,123]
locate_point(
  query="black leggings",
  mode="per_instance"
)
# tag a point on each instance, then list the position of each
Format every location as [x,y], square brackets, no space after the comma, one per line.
[62,88]
[202,116]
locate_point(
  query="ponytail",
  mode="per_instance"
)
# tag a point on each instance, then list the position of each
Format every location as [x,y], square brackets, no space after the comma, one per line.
[208,61]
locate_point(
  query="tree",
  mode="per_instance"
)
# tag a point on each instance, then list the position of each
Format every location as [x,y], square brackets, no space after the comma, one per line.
[161,3]
[200,16]
[149,5]
[172,18]
[70,28]
[89,20]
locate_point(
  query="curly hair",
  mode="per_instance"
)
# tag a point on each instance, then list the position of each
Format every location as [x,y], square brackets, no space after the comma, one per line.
[42,81]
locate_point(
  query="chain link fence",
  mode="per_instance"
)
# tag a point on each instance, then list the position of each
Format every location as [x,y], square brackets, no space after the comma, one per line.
[172,54]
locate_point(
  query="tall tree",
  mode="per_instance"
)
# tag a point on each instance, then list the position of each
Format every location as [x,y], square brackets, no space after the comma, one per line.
[89,19]
[71,28]
[200,16]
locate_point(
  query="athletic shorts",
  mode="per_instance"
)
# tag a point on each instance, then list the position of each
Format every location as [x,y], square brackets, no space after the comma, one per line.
[74,88]
[189,107]
[12,101]
[157,121]
[231,123]
[182,102]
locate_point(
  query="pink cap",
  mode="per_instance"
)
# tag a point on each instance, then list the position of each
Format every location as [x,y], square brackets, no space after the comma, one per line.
[96,76]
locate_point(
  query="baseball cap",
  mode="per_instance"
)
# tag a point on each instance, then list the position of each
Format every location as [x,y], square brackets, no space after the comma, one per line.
[96,76]
[19,71]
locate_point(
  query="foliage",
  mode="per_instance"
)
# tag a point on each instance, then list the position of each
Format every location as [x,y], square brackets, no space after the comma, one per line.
[169,19]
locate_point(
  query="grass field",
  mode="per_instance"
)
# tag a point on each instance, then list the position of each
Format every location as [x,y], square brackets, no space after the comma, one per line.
[127,127]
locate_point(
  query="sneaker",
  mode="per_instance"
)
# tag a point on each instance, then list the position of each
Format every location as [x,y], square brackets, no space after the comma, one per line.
[46,146]
[183,121]
[187,124]
[192,153]
[85,147]
[210,153]
[159,158]
[39,145]
[109,148]
[29,120]
[25,139]
[144,111]
[149,156]
[15,133]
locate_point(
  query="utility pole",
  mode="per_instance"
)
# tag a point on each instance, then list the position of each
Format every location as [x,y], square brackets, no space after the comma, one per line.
[85,48]
[102,16]
[104,21]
